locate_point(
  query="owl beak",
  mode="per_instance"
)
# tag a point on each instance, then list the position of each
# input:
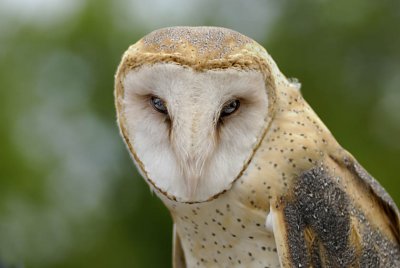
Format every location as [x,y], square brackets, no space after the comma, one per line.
[191,186]
[192,168]
[192,171]
[193,147]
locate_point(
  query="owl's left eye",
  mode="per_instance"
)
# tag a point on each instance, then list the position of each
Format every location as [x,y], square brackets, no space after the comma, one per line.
[229,108]
[159,105]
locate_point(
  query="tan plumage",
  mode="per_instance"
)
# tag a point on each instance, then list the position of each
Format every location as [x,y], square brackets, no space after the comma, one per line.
[294,198]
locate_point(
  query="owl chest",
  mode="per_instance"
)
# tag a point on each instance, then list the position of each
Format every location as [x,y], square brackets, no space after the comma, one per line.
[224,234]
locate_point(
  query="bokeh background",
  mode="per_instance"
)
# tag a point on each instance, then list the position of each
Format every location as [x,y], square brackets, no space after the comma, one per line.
[69,193]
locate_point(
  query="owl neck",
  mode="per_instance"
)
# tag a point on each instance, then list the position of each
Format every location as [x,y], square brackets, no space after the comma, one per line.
[224,229]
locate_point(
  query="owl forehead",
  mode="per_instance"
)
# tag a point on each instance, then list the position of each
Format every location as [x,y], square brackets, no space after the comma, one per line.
[196,42]
[201,48]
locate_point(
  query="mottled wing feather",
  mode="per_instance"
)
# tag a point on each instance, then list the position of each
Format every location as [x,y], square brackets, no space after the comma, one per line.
[336,217]
[178,257]
[385,202]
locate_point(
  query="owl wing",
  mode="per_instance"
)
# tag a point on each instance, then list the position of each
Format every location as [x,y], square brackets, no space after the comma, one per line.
[178,257]
[336,215]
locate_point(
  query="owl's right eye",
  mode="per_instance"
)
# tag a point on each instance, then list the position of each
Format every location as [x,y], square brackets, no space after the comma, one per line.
[158,105]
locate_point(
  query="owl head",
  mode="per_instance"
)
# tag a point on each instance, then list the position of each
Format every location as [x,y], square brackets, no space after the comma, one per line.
[193,104]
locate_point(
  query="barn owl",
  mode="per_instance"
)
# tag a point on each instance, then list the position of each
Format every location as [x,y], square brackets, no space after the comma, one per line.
[250,174]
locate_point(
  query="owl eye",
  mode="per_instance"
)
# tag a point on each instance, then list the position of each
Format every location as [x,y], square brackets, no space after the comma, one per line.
[158,104]
[229,108]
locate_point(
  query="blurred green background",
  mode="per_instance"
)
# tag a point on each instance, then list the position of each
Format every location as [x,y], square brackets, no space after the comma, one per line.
[69,193]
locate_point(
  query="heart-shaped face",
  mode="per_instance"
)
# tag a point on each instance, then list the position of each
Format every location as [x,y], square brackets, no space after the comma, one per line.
[192,133]
[193,103]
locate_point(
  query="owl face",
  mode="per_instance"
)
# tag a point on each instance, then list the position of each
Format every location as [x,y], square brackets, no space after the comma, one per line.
[192,132]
